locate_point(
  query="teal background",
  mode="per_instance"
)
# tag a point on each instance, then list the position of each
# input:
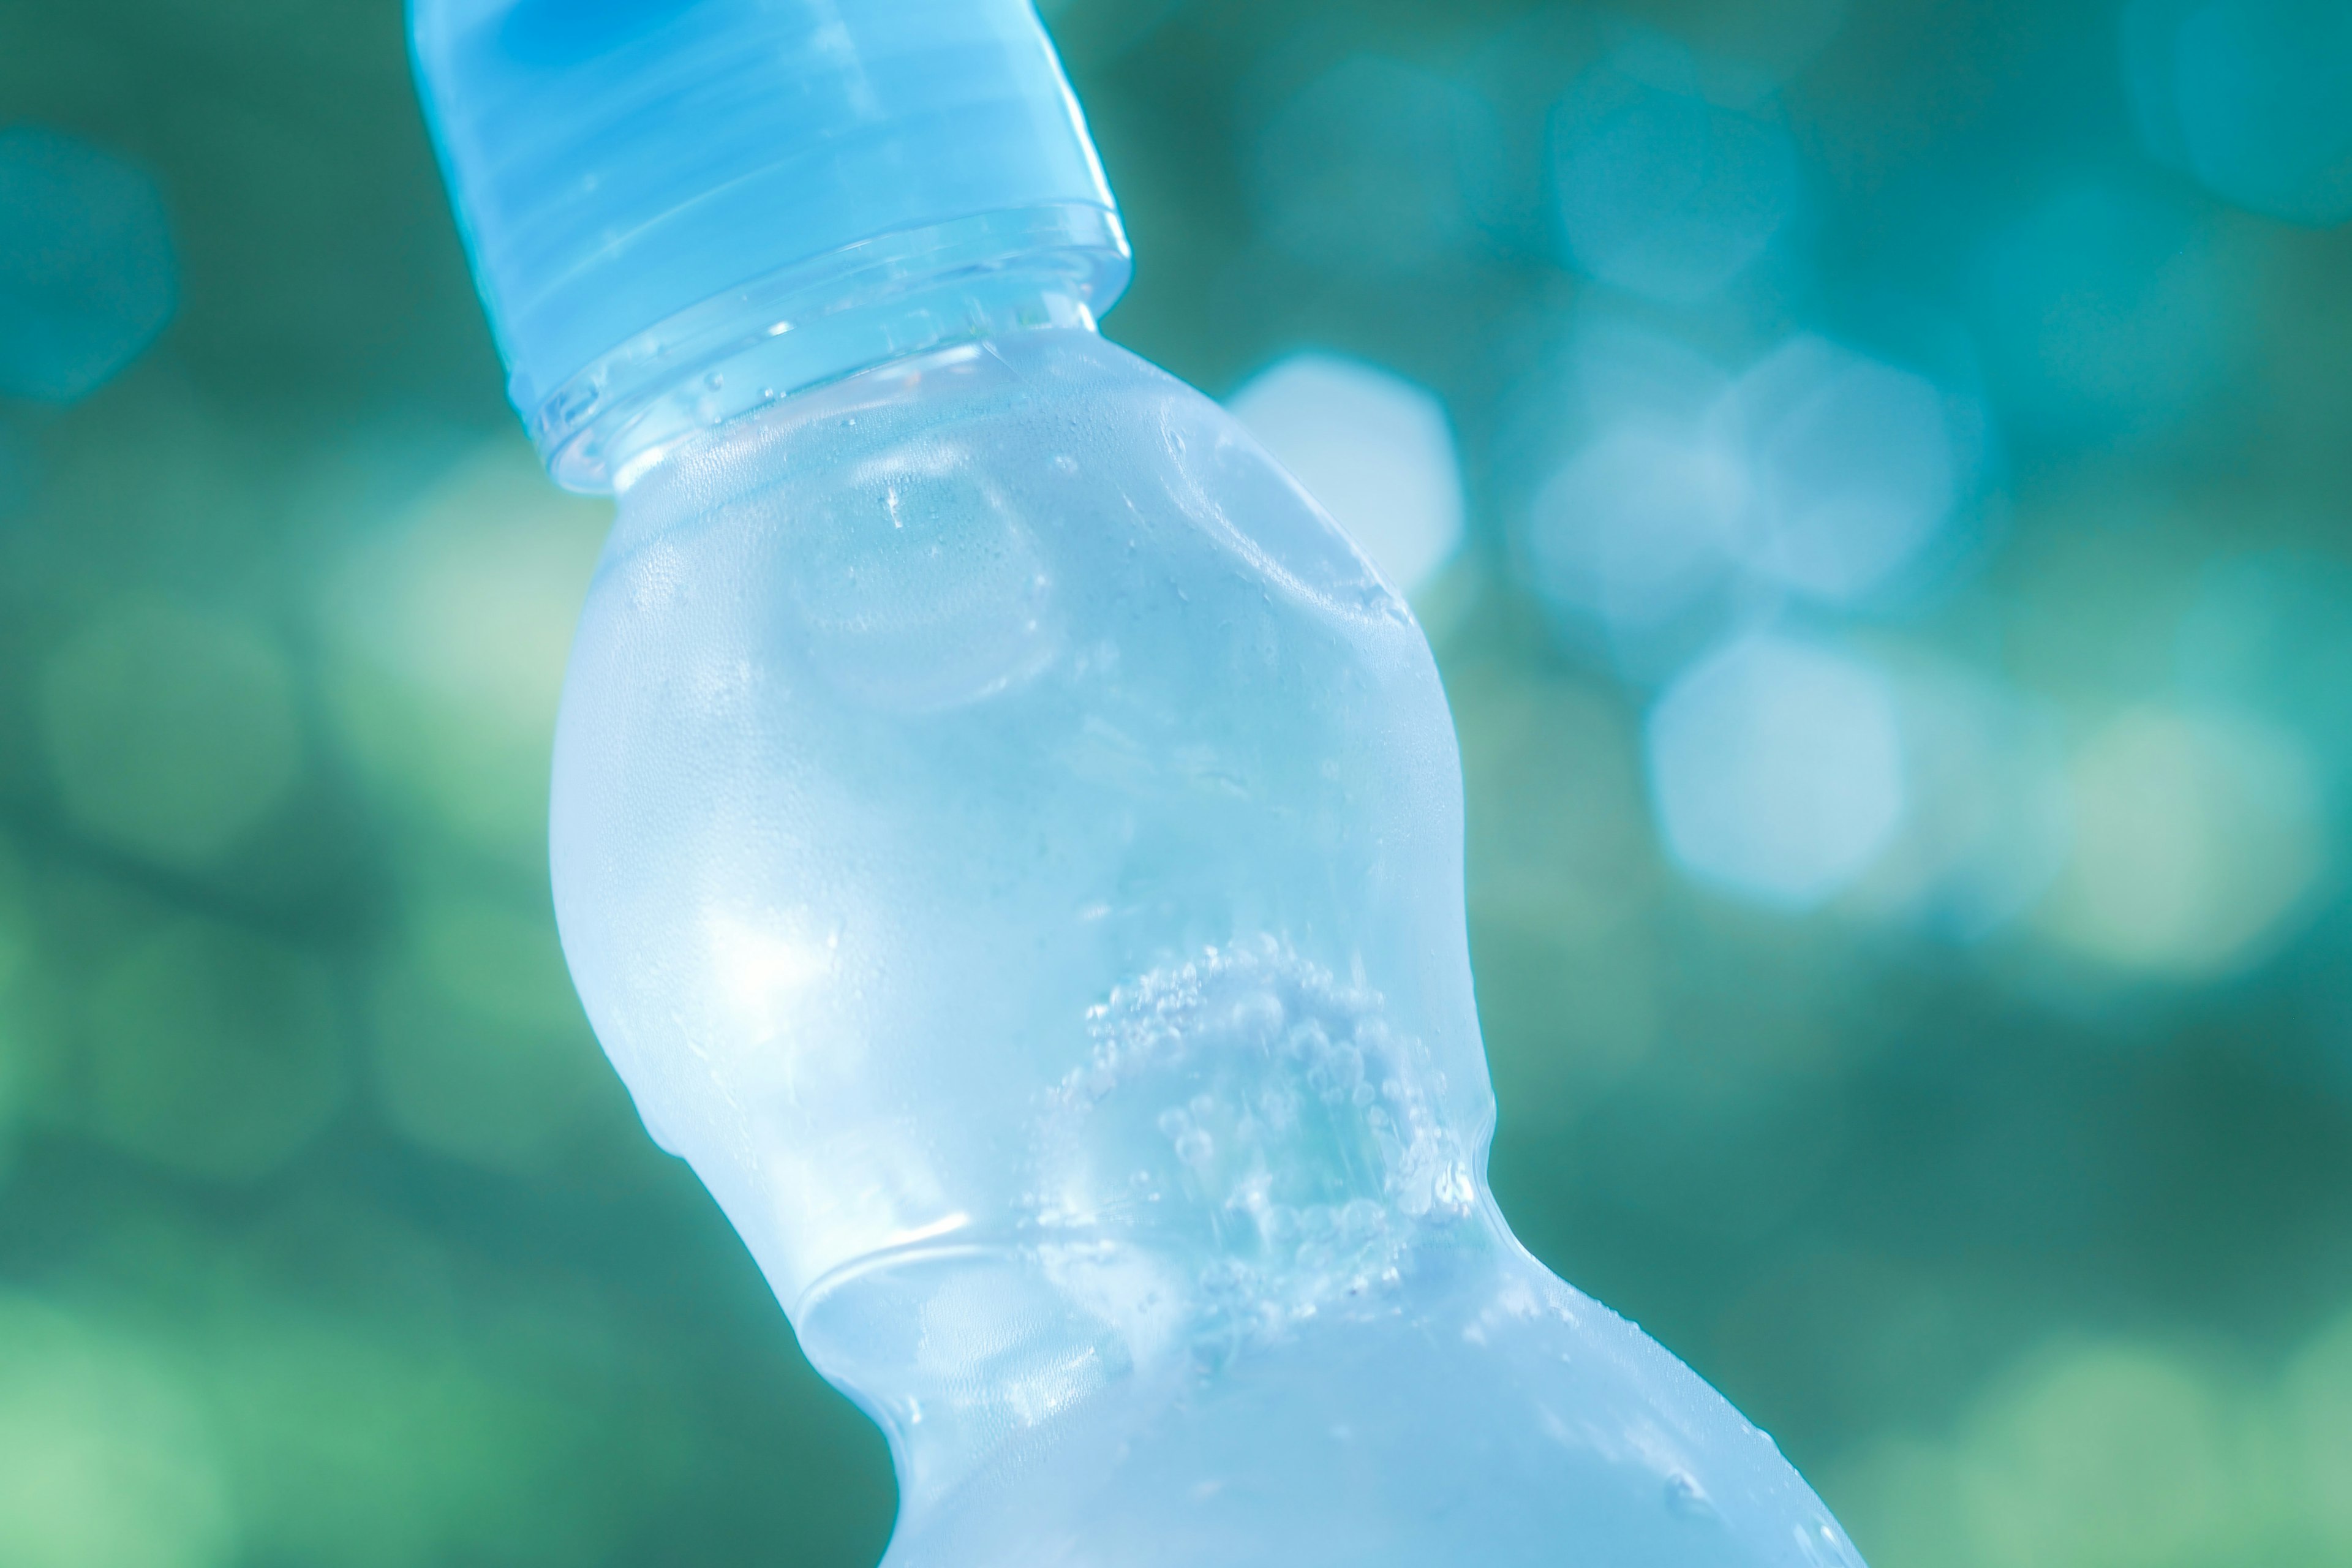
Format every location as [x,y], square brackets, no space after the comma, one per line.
[326,1236]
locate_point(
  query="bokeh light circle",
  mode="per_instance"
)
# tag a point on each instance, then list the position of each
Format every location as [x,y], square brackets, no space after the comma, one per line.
[1658,190]
[212,1050]
[173,732]
[2250,98]
[448,626]
[481,1052]
[1855,468]
[1375,167]
[2198,839]
[105,1459]
[87,273]
[1775,769]
[2102,308]
[1374,449]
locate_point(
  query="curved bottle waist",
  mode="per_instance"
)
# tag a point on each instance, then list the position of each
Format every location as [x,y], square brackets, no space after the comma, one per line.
[965,1350]
[1049,1407]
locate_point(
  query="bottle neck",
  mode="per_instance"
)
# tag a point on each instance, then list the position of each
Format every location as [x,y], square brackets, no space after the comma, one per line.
[867,304]
[960,1353]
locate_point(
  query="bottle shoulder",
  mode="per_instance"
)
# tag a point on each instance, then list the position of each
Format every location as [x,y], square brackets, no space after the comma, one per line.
[1038,422]
[1033,373]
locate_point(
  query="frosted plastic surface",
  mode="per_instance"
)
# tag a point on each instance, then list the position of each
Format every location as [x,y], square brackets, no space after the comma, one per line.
[1010,841]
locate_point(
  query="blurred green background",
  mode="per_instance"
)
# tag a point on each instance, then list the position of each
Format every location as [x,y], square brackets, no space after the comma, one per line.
[1886,540]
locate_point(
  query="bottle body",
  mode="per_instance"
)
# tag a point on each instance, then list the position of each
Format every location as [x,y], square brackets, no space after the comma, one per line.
[1010,843]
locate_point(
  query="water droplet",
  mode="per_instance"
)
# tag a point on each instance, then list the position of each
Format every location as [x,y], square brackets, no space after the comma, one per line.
[1685,1498]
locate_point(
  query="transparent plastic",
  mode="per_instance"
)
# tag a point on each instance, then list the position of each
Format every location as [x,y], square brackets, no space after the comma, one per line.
[1010,844]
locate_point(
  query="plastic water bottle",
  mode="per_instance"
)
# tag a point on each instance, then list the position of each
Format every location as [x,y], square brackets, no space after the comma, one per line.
[1010,841]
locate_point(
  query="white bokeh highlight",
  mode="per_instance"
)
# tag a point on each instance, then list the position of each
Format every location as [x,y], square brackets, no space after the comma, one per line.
[1642,525]
[1776,770]
[1695,499]
[1853,464]
[1375,450]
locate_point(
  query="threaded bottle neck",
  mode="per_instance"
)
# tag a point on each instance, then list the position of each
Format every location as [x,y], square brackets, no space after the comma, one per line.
[865,304]
[622,170]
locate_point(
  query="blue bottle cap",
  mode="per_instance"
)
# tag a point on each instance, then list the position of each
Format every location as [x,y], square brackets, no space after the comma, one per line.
[643,184]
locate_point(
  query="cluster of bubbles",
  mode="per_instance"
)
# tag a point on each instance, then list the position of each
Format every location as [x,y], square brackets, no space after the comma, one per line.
[1303,1148]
